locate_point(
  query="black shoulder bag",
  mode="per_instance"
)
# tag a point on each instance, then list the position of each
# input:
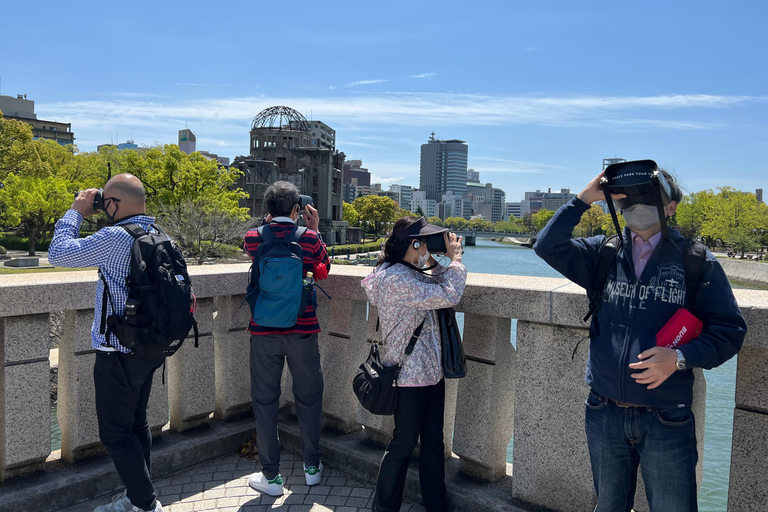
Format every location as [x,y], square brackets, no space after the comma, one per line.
[454,362]
[375,385]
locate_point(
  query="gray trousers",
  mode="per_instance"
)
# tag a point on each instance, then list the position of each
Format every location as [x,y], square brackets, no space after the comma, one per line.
[268,354]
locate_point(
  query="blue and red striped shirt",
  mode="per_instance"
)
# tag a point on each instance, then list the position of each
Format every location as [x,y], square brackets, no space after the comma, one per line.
[314,252]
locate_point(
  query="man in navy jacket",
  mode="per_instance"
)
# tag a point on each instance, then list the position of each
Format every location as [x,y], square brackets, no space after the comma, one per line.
[639,406]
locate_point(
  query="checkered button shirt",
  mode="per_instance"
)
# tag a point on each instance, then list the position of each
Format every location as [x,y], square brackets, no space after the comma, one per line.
[110,250]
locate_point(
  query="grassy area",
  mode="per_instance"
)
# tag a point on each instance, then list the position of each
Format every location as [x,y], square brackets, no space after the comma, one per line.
[34,270]
[343,249]
[751,286]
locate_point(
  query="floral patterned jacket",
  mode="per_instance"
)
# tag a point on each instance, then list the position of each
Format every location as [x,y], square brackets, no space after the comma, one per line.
[404,298]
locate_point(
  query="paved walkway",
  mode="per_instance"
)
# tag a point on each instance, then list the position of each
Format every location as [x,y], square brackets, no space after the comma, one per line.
[222,484]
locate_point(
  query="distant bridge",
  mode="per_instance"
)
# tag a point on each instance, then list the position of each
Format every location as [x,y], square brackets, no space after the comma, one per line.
[524,239]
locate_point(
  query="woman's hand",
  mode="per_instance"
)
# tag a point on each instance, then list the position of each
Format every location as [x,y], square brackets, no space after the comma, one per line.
[454,250]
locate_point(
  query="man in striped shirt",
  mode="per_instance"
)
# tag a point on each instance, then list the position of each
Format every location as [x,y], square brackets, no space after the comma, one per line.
[271,346]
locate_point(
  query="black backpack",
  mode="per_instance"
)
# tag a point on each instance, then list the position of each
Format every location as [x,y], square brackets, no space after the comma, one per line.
[693,262]
[160,303]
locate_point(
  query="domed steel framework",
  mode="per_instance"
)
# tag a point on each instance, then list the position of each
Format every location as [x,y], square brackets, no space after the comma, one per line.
[276,117]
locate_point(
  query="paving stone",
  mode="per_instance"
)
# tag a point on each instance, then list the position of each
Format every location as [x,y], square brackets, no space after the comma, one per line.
[182,479]
[300,508]
[320,508]
[182,507]
[215,484]
[319,489]
[361,492]
[336,480]
[357,502]
[227,502]
[335,501]
[300,489]
[202,477]
[236,492]
[223,475]
[340,491]
[214,493]
[193,487]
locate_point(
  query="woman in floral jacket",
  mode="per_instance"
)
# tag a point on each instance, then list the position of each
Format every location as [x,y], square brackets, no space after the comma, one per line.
[406,296]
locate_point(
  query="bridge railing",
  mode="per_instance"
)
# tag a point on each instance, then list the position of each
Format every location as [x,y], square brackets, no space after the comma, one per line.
[534,391]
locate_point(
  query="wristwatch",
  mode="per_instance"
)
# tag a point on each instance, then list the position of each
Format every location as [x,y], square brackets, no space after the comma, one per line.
[680,360]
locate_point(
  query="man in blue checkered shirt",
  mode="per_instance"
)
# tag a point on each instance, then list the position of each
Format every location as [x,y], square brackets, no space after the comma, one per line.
[122,380]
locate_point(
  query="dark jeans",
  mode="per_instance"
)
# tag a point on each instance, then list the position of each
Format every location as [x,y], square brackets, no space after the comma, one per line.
[662,440]
[123,383]
[268,355]
[419,413]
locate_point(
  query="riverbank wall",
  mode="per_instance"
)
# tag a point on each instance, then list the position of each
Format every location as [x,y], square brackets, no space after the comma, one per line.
[748,272]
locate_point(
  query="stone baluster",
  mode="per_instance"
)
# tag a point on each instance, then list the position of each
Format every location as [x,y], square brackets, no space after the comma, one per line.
[748,488]
[343,349]
[232,348]
[485,402]
[191,390]
[25,402]
[76,409]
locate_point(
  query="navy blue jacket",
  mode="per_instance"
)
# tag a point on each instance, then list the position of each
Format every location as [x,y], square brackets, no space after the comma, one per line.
[635,308]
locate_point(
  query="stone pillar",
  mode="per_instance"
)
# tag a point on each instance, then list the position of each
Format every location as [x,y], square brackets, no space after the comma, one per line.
[748,488]
[232,352]
[76,409]
[25,402]
[344,348]
[191,390]
[485,404]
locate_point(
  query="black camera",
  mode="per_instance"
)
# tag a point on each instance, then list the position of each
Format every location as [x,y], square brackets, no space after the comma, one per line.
[304,201]
[98,200]
[436,244]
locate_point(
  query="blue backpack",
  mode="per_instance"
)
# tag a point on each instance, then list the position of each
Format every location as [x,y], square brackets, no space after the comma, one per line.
[276,293]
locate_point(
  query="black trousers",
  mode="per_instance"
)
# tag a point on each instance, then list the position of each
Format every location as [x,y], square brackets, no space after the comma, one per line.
[419,413]
[268,355]
[123,383]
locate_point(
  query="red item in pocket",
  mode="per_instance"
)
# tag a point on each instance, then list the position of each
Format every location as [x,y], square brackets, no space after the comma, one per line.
[320,271]
[680,329]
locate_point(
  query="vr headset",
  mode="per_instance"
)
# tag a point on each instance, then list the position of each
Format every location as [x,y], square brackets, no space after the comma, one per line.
[642,182]
[422,229]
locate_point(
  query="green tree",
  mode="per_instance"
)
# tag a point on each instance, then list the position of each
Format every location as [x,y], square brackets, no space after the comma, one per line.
[693,211]
[419,212]
[591,223]
[730,215]
[479,224]
[377,211]
[350,215]
[528,223]
[541,218]
[458,223]
[437,221]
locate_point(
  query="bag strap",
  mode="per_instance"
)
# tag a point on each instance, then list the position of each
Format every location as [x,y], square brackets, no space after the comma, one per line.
[606,256]
[135,230]
[414,339]
[695,258]
[106,296]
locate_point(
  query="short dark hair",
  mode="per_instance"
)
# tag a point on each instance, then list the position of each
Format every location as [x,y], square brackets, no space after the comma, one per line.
[395,249]
[280,198]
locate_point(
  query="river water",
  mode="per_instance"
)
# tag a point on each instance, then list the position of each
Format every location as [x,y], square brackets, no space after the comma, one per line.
[489,257]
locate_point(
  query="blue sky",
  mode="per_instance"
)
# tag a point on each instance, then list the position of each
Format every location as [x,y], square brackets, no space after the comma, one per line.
[541,91]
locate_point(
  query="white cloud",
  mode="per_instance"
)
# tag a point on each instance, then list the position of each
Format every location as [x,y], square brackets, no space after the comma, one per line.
[366,82]
[424,75]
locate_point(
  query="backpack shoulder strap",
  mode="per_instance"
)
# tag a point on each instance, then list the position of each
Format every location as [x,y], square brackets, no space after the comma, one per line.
[135,230]
[266,233]
[414,338]
[606,256]
[694,260]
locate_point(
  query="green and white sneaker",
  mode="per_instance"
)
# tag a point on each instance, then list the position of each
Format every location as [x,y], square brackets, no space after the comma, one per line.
[260,483]
[312,474]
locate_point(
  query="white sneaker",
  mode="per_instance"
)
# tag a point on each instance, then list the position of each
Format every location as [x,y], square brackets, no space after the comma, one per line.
[272,487]
[313,474]
[121,503]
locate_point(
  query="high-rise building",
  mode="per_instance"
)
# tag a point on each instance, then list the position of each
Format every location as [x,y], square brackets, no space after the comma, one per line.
[323,136]
[406,195]
[531,203]
[473,176]
[428,206]
[22,109]
[353,169]
[759,194]
[487,201]
[443,167]
[187,141]
[514,210]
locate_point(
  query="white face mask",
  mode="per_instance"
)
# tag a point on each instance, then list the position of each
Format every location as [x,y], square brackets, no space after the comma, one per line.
[641,217]
[423,259]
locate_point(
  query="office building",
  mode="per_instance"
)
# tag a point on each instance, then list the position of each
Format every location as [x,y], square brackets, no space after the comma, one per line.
[515,210]
[759,194]
[349,193]
[22,109]
[406,195]
[420,200]
[486,201]
[187,141]
[453,206]
[554,200]
[321,135]
[611,161]
[353,169]
[443,167]
[473,176]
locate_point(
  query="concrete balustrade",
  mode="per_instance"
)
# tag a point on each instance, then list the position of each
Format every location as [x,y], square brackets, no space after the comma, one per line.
[535,391]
